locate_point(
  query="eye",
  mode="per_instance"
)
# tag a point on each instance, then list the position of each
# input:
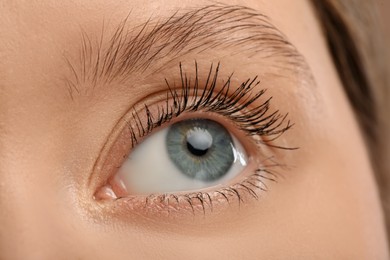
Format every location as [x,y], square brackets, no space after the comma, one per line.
[188,155]
[184,147]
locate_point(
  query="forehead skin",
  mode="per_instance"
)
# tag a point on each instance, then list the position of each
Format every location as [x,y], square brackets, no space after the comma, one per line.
[325,207]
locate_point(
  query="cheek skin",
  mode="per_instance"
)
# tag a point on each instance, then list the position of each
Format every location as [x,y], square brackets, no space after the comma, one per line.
[332,200]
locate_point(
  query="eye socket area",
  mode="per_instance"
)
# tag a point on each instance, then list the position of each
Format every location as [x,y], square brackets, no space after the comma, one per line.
[192,154]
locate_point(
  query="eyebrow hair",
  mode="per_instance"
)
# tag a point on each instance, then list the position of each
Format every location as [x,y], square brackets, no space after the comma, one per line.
[213,27]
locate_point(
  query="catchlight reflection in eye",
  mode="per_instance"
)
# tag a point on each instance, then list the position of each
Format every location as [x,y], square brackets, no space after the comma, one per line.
[191,154]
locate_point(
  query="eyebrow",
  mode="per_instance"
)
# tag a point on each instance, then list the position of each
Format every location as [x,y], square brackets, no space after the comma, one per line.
[130,50]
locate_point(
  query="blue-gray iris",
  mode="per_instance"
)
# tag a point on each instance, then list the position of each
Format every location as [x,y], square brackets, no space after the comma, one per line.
[202,149]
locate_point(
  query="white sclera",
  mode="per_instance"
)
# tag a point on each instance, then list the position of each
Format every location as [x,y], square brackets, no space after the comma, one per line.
[148,169]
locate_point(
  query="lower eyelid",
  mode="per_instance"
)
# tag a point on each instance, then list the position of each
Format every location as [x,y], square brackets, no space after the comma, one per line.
[207,201]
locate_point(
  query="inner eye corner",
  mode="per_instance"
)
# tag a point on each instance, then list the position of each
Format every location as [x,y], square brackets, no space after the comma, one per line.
[114,152]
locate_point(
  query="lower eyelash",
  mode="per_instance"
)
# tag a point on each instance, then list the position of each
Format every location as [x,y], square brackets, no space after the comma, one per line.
[249,188]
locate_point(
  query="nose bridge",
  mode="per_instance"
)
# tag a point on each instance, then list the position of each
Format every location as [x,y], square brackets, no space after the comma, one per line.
[26,207]
[27,194]
[24,221]
[31,204]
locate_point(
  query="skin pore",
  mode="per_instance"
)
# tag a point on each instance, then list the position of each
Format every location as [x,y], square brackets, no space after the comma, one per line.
[63,134]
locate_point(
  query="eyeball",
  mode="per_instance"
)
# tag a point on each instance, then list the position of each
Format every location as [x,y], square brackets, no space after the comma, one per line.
[188,155]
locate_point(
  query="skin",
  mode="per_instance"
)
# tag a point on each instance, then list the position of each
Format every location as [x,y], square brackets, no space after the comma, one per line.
[324,205]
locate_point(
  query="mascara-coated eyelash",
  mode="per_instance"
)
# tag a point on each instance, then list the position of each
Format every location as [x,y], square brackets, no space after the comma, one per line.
[235,106]
[238,106]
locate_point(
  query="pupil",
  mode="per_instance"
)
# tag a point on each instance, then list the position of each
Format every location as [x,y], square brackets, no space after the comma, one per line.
[195,151]
[199,141]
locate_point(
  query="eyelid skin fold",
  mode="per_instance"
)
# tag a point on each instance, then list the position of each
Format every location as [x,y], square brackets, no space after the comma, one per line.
[240,108]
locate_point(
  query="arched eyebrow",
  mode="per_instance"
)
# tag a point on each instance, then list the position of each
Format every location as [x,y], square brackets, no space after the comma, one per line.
[148,47]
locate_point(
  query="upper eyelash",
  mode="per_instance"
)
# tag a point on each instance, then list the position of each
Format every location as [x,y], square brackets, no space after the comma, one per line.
[234,106]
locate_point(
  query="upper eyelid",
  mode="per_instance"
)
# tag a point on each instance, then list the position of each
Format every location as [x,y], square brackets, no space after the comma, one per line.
[117,57]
